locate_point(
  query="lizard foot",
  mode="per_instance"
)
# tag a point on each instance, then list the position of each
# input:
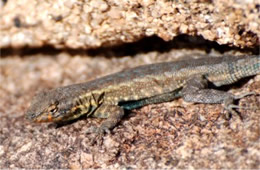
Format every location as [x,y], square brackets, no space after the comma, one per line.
[99,133]
[98,130]
[230,106]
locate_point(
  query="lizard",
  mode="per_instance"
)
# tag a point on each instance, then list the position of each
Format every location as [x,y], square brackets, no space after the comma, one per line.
[110,96]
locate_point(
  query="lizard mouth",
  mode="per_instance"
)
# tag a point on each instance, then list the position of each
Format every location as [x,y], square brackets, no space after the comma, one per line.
[39,118]
[30,116]
[43,118]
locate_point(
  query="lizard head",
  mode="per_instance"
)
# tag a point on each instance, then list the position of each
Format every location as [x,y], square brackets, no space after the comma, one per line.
[62,104]
[49,106]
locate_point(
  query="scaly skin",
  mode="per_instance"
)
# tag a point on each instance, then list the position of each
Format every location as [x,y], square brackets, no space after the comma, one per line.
[109,96]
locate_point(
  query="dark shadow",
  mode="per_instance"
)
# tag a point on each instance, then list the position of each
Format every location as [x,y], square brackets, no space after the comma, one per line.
[157,44]
[57,125]
[144,45]
[61,124]
[237,84]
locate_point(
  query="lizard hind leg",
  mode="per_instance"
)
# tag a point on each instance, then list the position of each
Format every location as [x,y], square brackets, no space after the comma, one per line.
[196,91]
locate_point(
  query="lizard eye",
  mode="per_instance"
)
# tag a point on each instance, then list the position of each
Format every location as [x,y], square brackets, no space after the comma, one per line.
[53,108]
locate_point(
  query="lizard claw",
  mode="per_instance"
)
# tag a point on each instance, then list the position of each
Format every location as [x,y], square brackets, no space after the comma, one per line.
[99,133]
[98,130]
[230,111]
[230,106]
[92,129]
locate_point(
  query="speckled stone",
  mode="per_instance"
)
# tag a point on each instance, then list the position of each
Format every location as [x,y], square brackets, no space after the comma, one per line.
[95,23]
[159,136]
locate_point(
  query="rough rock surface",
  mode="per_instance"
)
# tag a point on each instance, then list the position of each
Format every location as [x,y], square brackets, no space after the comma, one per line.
[168,135]
[90,24]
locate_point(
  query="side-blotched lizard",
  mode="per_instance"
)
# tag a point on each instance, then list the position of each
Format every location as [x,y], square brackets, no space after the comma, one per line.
[109,96]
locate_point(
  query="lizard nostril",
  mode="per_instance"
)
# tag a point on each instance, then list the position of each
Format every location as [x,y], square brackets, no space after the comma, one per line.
[29,116]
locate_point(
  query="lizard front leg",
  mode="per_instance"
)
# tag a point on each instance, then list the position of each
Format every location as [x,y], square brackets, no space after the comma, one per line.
[196,91]
[112,114]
